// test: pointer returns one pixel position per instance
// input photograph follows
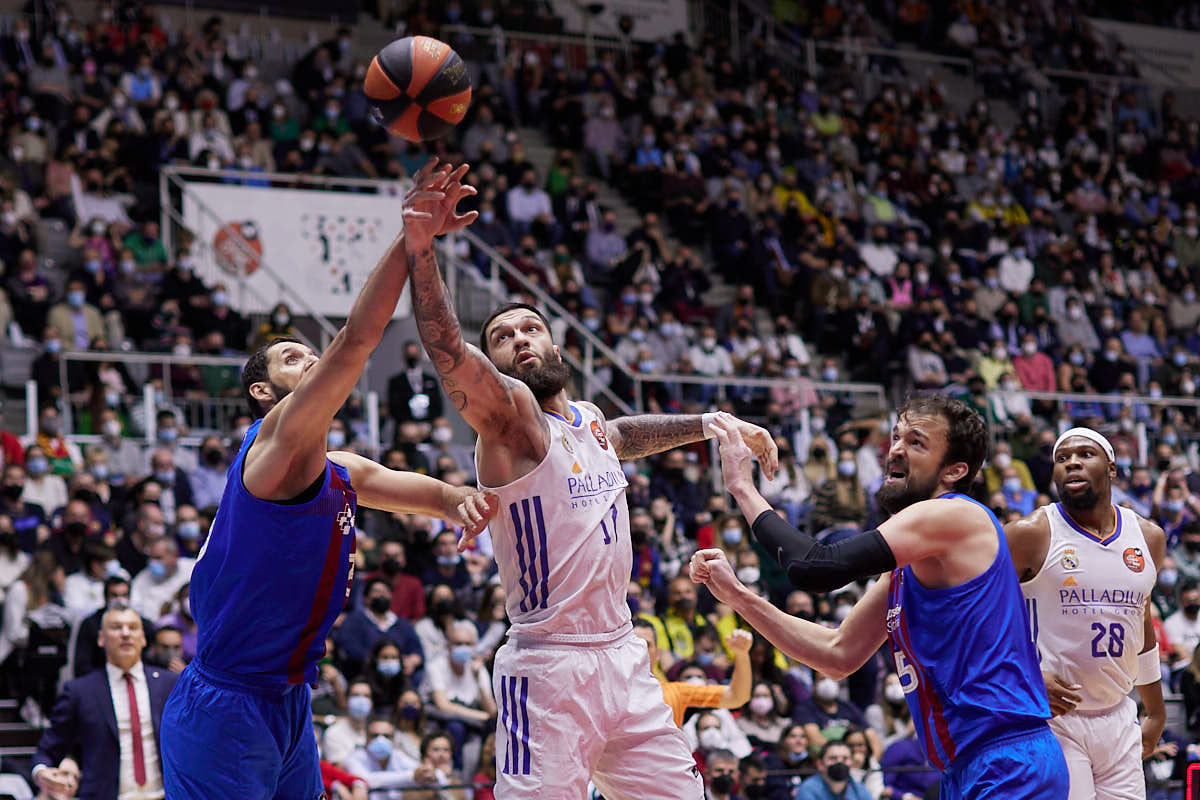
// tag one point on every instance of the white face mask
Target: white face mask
(748, 575)
(826, 690)
(710, 738)
(893, 693)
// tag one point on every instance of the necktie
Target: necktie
(135, 729)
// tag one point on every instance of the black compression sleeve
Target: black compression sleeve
(820, 567)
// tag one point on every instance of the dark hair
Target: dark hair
(751, 762)
(162, 628)
(832, 743)
(113, 581)
(430, 737)
(255, 371)
(504, 309)
(97, 552)
(642, 622)
(373, 582)
(966, 433)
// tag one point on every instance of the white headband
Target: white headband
(1086, 433)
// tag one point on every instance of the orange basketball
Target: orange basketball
(419, 88)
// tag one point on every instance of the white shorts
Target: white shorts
(1103, 752)
(568, 713)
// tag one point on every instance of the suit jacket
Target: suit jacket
(400, 392)
(84, 725)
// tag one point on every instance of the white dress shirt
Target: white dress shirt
(147, 596)
(127, 788)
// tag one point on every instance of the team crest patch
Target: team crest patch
(1134, 559)
(566, 443)
(1069, 560)
(598, 432)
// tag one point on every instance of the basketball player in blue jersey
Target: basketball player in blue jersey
(275, 570)
(573, 683)
(1087, 569)
(948, 601)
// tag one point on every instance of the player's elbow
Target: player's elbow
(735, 697)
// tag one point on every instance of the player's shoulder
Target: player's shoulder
(591, 408)
(1036, 523)
(1152, 532)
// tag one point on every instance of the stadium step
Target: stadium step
(18, 734)
(9, 711)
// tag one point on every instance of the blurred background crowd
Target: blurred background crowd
(700, 214)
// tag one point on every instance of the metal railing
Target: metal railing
(204, 416)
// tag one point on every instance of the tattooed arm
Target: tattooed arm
(646, 434)
(497, 407)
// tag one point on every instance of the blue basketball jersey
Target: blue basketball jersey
(272, 577)
(965, 660)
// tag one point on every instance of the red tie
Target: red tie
(135, 728)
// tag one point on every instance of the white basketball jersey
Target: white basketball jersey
(1087, 605)
(561, 536)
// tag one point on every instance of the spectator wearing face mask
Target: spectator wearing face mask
(208, 479)
(28, 519)
(716, 730)
(42, 487)
(382, 767)
(349, 733)
(83, 592)
(784, 763)
(826, 716)
(155, 588)
(448, 567)
(761, 721)
(180, 618)
(373, 622)
(461, 690)
(84, 652)
(721, 772)
(167, 435)
(833, 781)
(841, 502)
(693, 688)
(1183, 627)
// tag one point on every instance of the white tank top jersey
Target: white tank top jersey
(1087, 605)
(561, 537)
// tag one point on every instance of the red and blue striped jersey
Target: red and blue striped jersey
(272, 577)
(965, 660)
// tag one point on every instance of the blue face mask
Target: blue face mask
(449, 561)
(380, 748)
(1174, 506)
(731, 535)
(168, 435)
(1123, 462)
(389, 668)
(336, 439)
(1012, 485)
(37, 466)
(164, 476)
(462, 654)
(75, 299)
(704, 659)
(189, 530)
(158, 570)
(359, 706)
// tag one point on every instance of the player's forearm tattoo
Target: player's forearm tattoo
(646, 434)
(436, 322)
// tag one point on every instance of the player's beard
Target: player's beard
(545, 377)
(897, 497)
(279, 392)
(1078, 502)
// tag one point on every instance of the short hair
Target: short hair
(431, 737)
(832, 743)
(373, 582)
(465, 625)
(751, 762)
(97, 552)
(168, 629)
(504, 309)
(642, 622)
(966, 432)
(721, 754)
(255, 371)
(113, 581)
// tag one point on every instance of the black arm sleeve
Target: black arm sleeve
(818, 567)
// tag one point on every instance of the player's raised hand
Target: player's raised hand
(455, 191)
(739, 641)
(711, 568)
(473, 512)
(735, 454)
(1063, 696)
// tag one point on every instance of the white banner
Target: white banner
(322, 245)
(652, 19)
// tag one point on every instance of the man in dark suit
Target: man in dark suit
(108, 721)
(413, 393)
(86, 651)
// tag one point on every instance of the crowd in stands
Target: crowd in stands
(895, 238)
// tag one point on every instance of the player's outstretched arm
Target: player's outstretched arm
(741, 680)
(642, 435)
(495, 406)
(1149, 680)
(289, 452)
(414, 493)
(836, 653)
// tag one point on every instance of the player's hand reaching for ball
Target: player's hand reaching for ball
(739, 442)
(1063, 696)
(430, 205)
(472, 510)
(711, 568)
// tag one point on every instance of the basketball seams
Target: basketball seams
(418, 81)
(436, 89)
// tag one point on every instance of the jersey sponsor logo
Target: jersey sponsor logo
(1082, 600)
(1069, 560)
(1134, 559)
(598, 432)
(893, 619)
(345, 519)
(595, 488)
(1070, 581)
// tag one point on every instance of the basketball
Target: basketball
(418, 87)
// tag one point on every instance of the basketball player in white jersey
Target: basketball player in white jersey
(573, 684)
(1087, 568)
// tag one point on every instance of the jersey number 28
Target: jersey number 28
(1116, 640)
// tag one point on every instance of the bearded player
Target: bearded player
(948, 602)
(1087, 569)
(573, 683)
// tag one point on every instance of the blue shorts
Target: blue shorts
(1024, 766)
(221, 739)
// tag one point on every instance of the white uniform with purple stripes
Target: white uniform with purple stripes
(573, 684)
(1086, 607)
